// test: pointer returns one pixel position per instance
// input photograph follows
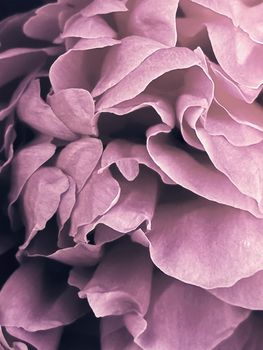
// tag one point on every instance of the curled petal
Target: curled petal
(87, 57)
(39, 115)
(78, 159)
(41, 198)
(112, 291)
(24, 164)
(104, 191)
(190, 169)
(75, 108)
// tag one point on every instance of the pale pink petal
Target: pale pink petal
(218, 122)
(87, 27)
(84, 73)
(41, 198)
(155, 20)
(75, 108)
(213, 245)
(35, 112)
(36, 298)
(78, 159)
(112, 291)
(242, 15)
(186, 317)
(98, 195)
(24, 164)
(82, 254)
(67, 202)
(248, 335)
(194, 171)
(116, 66)
(244, 66)
(161, 62)
(44, 25)
(235, 161)
(246, 293)
(135, 206)
(100, 7)
(128, 156)
(161, 105)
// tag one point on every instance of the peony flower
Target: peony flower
(131, 176)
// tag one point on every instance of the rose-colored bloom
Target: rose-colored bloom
(131, 176)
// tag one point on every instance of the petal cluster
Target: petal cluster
(131, 176)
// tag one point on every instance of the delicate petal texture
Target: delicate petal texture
(244, 53)
(194, 171)
(136, 48)
(79, 159)
(111, 291)
(131, 177)
(135, 206)
(161, 62)
(41, 198)
(103, 198)
(84, 73)
(35, 299)
(233, 237)
(173, 319)
(75, 108)
(153, 20)
(25, 163)
(246, 293)
(35, 112)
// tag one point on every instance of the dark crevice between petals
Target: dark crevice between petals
(131, 127)
(84, 334)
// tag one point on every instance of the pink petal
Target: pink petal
(100, 7)
(78, 159)
(155, 20)
(161, 62)
(88, 28)
(75, 108)
(35, 298)
(136, 48)
(235, 161)
(194, 171)
(207, 253)
(180, 316)
(104, 191)
(87, 57)
(35, 112)
(67, 203)
(15, 63)
(246, 293)
(114, 335)
(112, 291)
(136, 204)
(24, 164)
(41, 198)
(44, 24)
(128, 156)
(244, 66)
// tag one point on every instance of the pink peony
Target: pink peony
(131, 176)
